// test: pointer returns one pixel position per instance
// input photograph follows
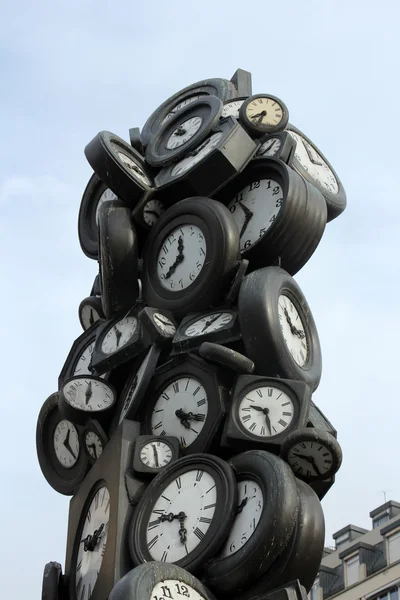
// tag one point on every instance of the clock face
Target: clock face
(314, 164)
(197, 155)
(293, 330)
(119, 335)
(92, 546)
(106, 196)
(231, 108)
(174, 590)
(83, 362)
(181, 257)
(134, 387)
(182, 134)
(181, 105)
(89, 316)
(93, 444)
(266, 411)
(255, 209)
(181, 410)
(152, 211)
(181, 516)
(66, 443)
(88, 394)
(264, 111)
(310, 459)
(133, 166)
(208, 324)
(250, 506)
(156, 454)
(270, 147)
(164, 324)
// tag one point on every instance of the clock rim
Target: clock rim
(249, 126)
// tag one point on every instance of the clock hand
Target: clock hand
(247, 219)
(315, 467)
(91, 317)
(314, 160)
(183, 417)
(259, 408)
(241, 506)
(178, 259)
(266, 413)
(94, 449)
(88, 393)
(152, 212)
(179, 131)
(118, 335)
(67, 445)
(155, 455)
(162, 321)
(210, 322)
(182, 530)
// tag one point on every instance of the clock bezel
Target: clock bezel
(143, 440)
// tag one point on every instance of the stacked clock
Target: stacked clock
(183, 424)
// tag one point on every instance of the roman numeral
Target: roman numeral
(165, 396)
(199, 475)
(270, 390)
(157, 426)
(201, 402)
(252, 426)
(259, 393)
(199, 533)
(209, 506)
(246, 418)
(196, 390)
(152, 542)
(164, 556)
(205, 520)
(153, 524)
(282, 422)
(178, 483)
(175, 385)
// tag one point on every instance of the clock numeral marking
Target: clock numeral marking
(211, 488)
(165, 396)
(285, 404)
(165, 249)
(182, 590)
(96, 501)
(199, 475)
(199, 533)
(246, 418)
(157, 426)
(89, 516)
(198, 265)
(152, 542)
(303, 445)
(178, 483)
(252, 426)
(163, 433)
(175, 386)
(287, 414)
(82, 596)
(262, 432)
(282, 422)
(181, 283)
(205, 520)
(89, 590)
(209, 506)
(153, 524)
(182, 442)
(250, 399)
(103, 550)
(79, 583)
(327, 462)
(254, 185)
(202, 251)
(201, 402)
(187, 384)
(201, 417)
(162, 262)
(324, 453)
(78, 566)
(196, 391)
(270, 392)
(246, 409)
(164, 559)
(157, 511)
(259, 393)
(165, 498)
(253, 524)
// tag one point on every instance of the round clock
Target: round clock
(186, 130)
(222, 88)
(90, 311)
(220, 326)
(262, 114)
(159, 580)
(231, 107)
(90, 544)
(147, 213)
(264, 521)
(60, 454)
(81, 397)
(94, 439)
(313, 454)
(311, 164)
(52, 574)
(185, 513)
(119, 166)
(160, 326)
(277, 145)
(190, 256)
(278, 329)
(152, 454)
(278, 216)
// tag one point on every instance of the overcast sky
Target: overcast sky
(69, 70)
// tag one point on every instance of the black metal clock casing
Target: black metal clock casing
(78, 361)
(219, 326)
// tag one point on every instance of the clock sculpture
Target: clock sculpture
(183, 425)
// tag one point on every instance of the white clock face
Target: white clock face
(119, 335)
(89, 316)
(93, 444)
(136, 169)
(250, 506)
(270, 147)
(310, 458)
(255, 209)
(197, 155)
(66, 443)
(134, 386)
(174, 590)
(208, 324)
(181, 257)
(313, 163)
(93, 543)
(182, 134)
(153, 209)
(156, 454)
(194, 494)
(266, 411)
(293, 330)
(88, 394)
(181, 105)
(181, 410)
(164, 324)
(106, 196)
(231, 108)
(82, 364)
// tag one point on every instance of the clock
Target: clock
(82, 396)
(221, 88)
(226, 357)
(159, 580)
(120, 167)
(209, 166)
(185, 513)
(118, 259)
(153, 453)
(136, 386)
(90, 311)
(278, 329)
(159, 326)
(317, 419)
(52, 575)
(262, 114)
(231, 107)
(265, 518)
(186, 399)
(95, 194)
(264, 411)
(78, 361)
(277, 145)
(93, 439)
(312, 454)
(184, 131)
(147, 213)
(190, 256)
(117, 341)
(301, 558)
(311, 164)
(220, 326)
(59, 451)
(280, 217)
